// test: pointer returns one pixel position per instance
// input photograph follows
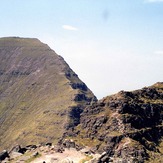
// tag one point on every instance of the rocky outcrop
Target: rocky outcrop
(40, 95)
(3, 155)
(127, 126)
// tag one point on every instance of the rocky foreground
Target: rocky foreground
(49, 154)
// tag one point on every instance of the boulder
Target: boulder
(68, 143)
(18, 149)
(4, 155)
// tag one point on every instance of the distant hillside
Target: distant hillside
(40, 96)
(127, 126)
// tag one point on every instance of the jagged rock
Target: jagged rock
(86, 150)
(68, 143)
(58, 149)
(35, 154)
(128, 126)
(48, 144)
(103, 158)
(80, 86)
(31, 147)
(18, 149)
(4, 155)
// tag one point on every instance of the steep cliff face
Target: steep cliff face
(127, 126)
(40, 96)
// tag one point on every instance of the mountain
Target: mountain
(125, 127)
(40, 96)
(44, 103)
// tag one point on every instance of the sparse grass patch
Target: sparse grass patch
(32, 158)
(86, 141)
(114, 133)
(87, 158)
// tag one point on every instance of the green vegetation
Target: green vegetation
(87, 158)
(32, 158)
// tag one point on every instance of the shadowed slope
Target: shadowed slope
(128, 126)
(39, 93)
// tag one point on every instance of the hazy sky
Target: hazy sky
(112, 45)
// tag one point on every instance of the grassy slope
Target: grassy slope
(35, 95)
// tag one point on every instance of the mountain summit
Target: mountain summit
(40, 95)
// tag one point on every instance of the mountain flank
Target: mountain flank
(125, 127)
(40, 95)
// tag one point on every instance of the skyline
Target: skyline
(112, 45)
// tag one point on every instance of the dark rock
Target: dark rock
(127, 126)
(35, 154)
(80, 86)
(104, 158)
(74, 114)
(4, 155)
(30, 147)
(80, 97)
(48, 144)
(68, 143)
(18, 149)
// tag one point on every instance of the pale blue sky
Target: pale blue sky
(112, 45)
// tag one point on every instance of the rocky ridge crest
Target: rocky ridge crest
(127, 126)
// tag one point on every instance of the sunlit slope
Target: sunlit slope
(37, 92)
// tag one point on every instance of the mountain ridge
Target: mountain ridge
(127, 126)
(43, 102)
(39, 92)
